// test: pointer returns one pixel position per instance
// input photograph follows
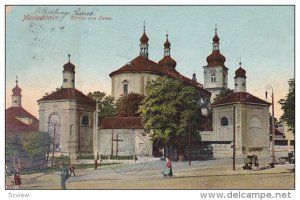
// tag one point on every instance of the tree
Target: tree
(37, 144)
(288, 106)
(170, 112)
(223, 93)
(128, 106)
(107, 107)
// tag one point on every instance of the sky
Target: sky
(262, 37)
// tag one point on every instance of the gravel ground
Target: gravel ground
(211, 174)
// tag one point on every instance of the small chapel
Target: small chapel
(68, 115)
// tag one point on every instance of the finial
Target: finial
(216, 28)
(167, 35)
(17, 80)
(144, 26)
(69, 57)
(240, 63)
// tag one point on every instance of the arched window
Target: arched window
(125, 87)
(213, 78)
(224, 121)
(85, 120)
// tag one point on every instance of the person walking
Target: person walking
(64, 175)
(72, 169)
(168, 170)
(17, 180)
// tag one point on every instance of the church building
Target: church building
(68, 115)
(241, 118)
(133, 78)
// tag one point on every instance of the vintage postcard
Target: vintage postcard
(105, 97)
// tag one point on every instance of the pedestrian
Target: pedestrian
(72, 169)
(17, 180)
(64, 175)
(168, 170)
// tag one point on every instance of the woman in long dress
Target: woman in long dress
(168, 170)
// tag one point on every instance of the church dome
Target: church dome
(240, 72)
(167, 61)
(16, 91)
(167, 44)
(215, 59)
(144, 38)
(69, 67)
(216, 38)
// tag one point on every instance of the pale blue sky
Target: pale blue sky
(263, 36)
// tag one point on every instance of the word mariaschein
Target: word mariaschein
(46, 13)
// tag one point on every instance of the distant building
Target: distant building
(68, 115)
(19, 123)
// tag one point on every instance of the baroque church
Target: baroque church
(239, 119)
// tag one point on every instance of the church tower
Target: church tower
(167, 61)
(215, 73)
(240, 80)
(16, 96)
(69, 75)
(144, 44)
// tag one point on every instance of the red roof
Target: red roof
(68, 94)
(142, 64)
(12, 123)
(121, 123)
(241, 97)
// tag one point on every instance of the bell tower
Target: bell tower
(215, 72)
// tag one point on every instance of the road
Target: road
(212, 174)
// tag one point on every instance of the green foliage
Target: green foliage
(107, 107)
(170, 111)
(10, 150)
(223, 93)
(128, 106)
(288, 106)
(37, 144)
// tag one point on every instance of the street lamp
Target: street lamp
(95, 133)
(273, 124)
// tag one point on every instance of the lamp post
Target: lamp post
(233, 145)
(95, 134)
(273, 124)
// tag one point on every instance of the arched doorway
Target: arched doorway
(54, 129)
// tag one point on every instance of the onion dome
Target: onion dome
(216, 38)
(240, 72)
(16, 90)
(215, 59)
(144, 38)
(167, 61)
(69, 66)
(167, 44)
